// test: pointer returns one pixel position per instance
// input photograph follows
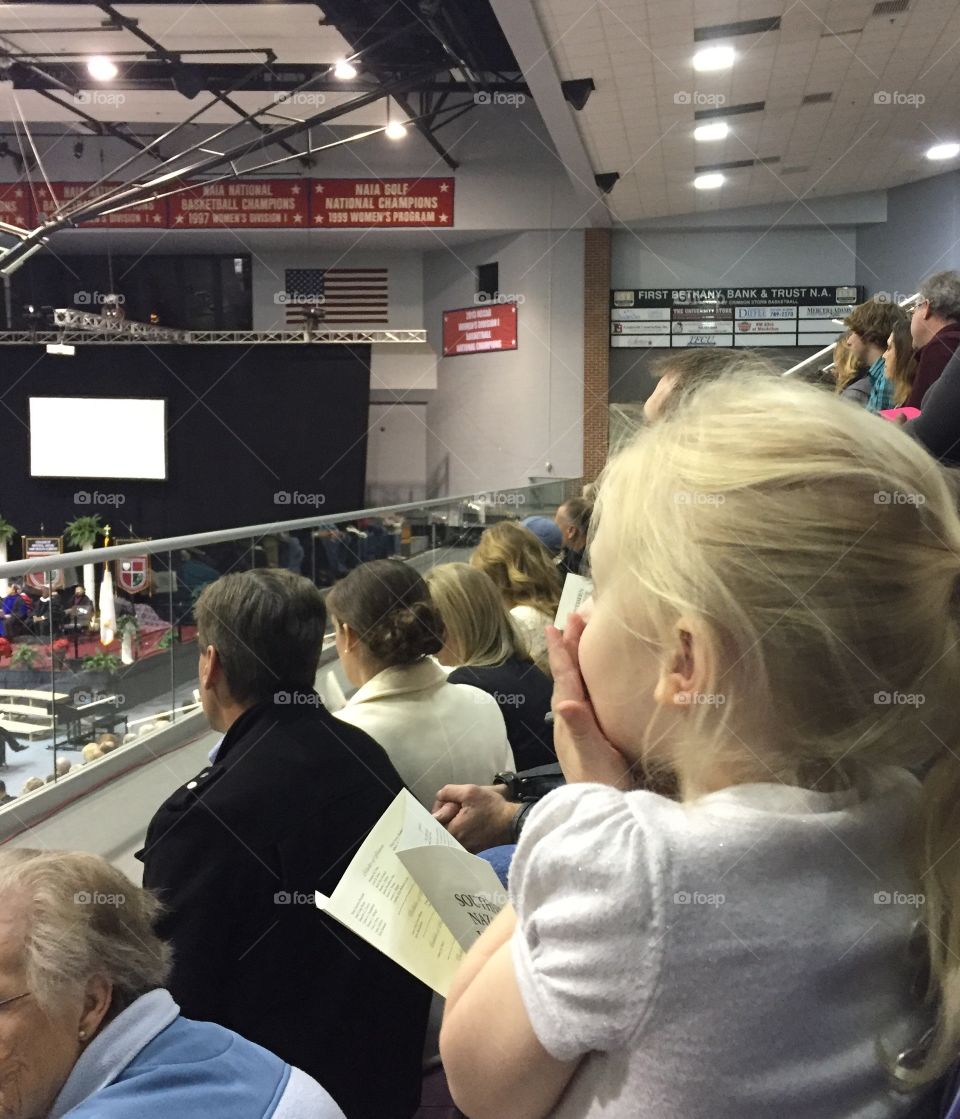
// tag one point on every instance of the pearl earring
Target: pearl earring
(83, 1035)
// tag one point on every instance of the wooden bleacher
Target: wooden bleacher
(28, 713)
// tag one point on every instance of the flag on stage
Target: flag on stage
(336, 296)
(108, 609)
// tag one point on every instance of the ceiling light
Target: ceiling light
(101, 68)
(395, 130)
(717, 130)
(709, 182)
(714, 58)
(344, 70)
(943, 151)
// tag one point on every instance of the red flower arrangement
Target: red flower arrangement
(61, 645)
(5, 648)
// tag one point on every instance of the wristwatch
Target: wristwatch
(516, 824)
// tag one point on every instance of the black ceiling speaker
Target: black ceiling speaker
(607, 180)
(576, 91)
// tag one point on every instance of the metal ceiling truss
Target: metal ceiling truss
(450, 51)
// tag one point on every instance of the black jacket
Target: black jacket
(236, 856)
(524, 695)
(938, 426)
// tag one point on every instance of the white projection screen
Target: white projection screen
(97, 437)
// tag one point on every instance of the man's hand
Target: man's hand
(583, 751)
(478, 816)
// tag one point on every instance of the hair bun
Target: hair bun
(408, 633)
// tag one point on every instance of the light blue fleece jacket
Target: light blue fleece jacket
(152, 1063)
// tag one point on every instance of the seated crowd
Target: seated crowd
(740, 898)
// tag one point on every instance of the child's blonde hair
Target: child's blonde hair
(817, 549)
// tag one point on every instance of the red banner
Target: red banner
(382, 203)
(248, 204)
(15, 205)
(145, 215)
(482, 329)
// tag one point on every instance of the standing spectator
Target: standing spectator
(935, 327)
(607, 988)
(485, 649)
(524, 573)
(870, 325)
(237, 854)
(899, 363)
(434, 732)
(573, 520)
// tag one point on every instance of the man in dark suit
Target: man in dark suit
(237, 854)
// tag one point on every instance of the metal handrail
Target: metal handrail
(908, 302)
(15, 568)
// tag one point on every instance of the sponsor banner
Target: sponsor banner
(703, 326)
(639, 314)
(703, 312)
(758, 316)
(247, 204)
(40, 547)
(767, 326)
(766, 312)
(476, 330)
(381, 203)
(757, 341)
(145, 215)
(639, 342)
(640, 328)
(713, 339)
(834, 311)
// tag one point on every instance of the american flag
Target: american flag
(336, 295)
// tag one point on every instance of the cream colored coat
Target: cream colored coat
(434, 732)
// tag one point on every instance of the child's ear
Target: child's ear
(682, 677)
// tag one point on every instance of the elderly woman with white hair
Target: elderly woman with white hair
(86, 1027)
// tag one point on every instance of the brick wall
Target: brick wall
(596, 351)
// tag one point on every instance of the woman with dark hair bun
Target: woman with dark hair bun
(436, 733)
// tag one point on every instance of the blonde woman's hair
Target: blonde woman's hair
(818, 556)
(84, 918)
(847, 367)
(478, 627)
(521, 568)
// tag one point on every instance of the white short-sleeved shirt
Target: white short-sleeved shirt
(739, 957)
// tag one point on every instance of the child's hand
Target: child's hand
(585, 754)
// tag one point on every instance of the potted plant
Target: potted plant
(82, 533)
(24, 657)
(7, 533)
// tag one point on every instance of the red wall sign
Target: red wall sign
(248, 204)
(252, 204)
(477, 330)
(382, 203)
(145, 215)
(15, 205)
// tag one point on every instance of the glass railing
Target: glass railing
(77, 685)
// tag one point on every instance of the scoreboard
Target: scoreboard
(660, 318)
